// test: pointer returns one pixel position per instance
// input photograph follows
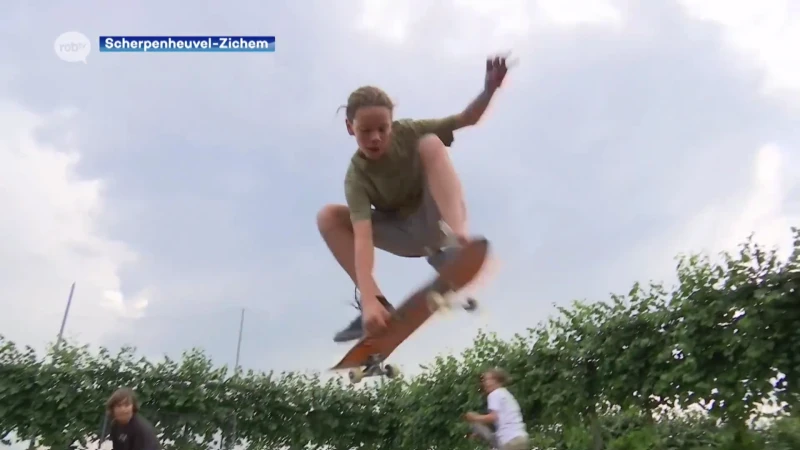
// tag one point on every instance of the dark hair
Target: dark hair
(120, 396)
(363, 97)
(499, 375)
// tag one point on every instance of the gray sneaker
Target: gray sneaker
(355, 330)
(352, 332)
(442, 256)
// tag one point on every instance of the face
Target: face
(488, 383)
(372, 128)
(123, 411)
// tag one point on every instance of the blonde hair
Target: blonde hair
(364, 97)
(499, 375)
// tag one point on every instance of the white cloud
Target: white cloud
(500, 24)
(767, 33)
(761, 209)
(50, 223)
(581, 12)
(386, 19)
(764, 211)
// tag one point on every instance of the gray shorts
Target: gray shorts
(413, 236)
(518, 443)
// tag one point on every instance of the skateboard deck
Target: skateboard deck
(367, 355)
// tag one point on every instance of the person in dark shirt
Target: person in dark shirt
(129, 430)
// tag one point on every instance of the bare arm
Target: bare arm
(365, 259)
(364, 248)
(445, 127)
(474, 111)
(496, 69)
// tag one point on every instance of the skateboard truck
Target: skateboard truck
(440, 298)
(374, 367)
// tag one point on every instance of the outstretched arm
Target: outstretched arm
(496, 69)
(474, 111)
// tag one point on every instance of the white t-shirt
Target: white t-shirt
(509, 424)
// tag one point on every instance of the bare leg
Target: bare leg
(334, 225)
(444, 184)
(337, 231)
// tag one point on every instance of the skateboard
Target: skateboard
(366, 358)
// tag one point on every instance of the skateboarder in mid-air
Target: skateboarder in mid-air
(399, 186)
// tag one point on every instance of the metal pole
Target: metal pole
(58, 340)
(239, 344)
(229, 442)
(103, 430)
(66, 313)
(236, 373)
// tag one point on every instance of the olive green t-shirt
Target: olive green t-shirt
(395, 182)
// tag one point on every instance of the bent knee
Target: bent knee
(431, 147)
(333, 216)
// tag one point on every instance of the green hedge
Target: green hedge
(596, 376)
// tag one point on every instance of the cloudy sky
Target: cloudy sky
(176, 189)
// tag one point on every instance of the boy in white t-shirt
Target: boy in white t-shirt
(504, 414)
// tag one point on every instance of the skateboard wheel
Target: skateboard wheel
(356, 375)
(471, 305)
(392, 371)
